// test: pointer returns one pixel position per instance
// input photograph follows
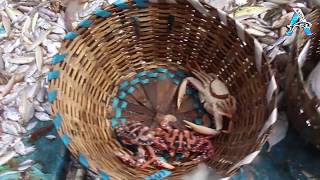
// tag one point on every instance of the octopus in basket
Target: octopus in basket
(215, 97)
(134, 133)
(152, 142)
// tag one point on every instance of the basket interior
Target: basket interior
(162, 35)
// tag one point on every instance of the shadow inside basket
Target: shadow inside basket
(139, 116)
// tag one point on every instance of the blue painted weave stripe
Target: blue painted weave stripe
(141, 74)
(85, 23)
(57, 121)
(124, 105)
(104, 176)
(53, 75)
(145, 81)
(52, 96)
(118, 113)
(115, 102)
(141, 3)
(135, 81)
(123, 120)
(124, 85)
(170, 74)
(71, 35)
(159, 175)
(131, 90)
(103, 13)
(65, 139)
(122, 95)
(152, 75)
(114, 122)
(83, 160)
(121, 4)
(58, 58)
(162, 70)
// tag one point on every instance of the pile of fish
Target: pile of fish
(266, 20)
(31, 32)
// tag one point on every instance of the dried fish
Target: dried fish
(4, 159)
(24, 8)
(39, 40)
(41, 95)
(58, 30)
(250, 10)
(279, 131)
(9, 98)
(267, 40)
(257, 27)
(26, 39)
(25, 165)
(44, 24)
(39, 58)
(269, 4)
(31, 125)
(217, 4)
(281, 1)
(11, 45)
(47, 12)
(283, 21)
(241, 2)
(42, 116)
(313, 82)
(12, 114)
(34, 21)
(26, 26)
(55, 37)
(1, 63)
(255, 32)
(12, 128)
(31, 71)
(7, 88)
(51, 137)
(21, 149)
(60, 22)
(13, 15)
(303, 54)
(21, 60)
(26, 107)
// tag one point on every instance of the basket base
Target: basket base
(145, 100)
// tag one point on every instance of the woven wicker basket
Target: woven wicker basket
(125, 38)
(303, 108)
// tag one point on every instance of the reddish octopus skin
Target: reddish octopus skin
(164, 138)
